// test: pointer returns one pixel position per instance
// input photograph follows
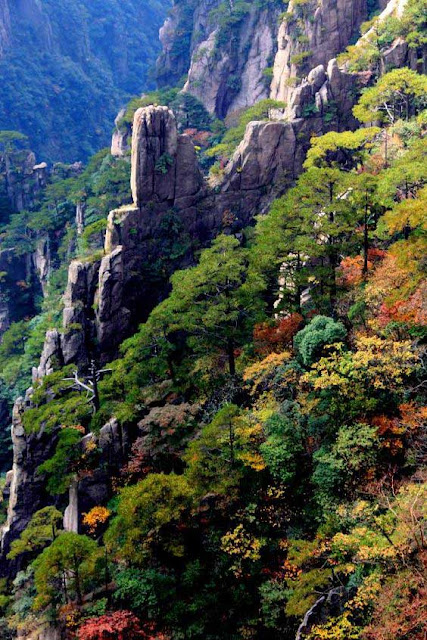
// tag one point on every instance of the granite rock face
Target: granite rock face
(327, 92)
(120, 141)
(90, 491)
(78, 311)
(23, 179)
(328, 27)
(227, 70)
(176, 212)
(174, 206)
(164, 164)
(51, 357)
(175, 37)
(26, 489)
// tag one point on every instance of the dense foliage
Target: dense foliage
(302, 476)
(274, 404)
(70, 67)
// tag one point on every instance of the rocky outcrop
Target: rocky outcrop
(175, 37)
(311, 35)
(51, 357)
(94, 488)
(78, 311)
(26, 489)
(120, 141)
(327, 92)
(228, 64)
(80, 217)
(266, 156)
(42, 259)
(23, 179)
(164, 164)
(223, 52)
(174, 208)
(174, 211)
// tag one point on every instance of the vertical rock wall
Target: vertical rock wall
(227, 69)
(312, 34)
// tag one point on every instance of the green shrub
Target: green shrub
(321, 331)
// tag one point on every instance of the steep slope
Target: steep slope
(67, 66)
(222, 49)
(261, 432)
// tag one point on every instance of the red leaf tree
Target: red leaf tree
(120, 625)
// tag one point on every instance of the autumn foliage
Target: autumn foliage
(95, 517)
(269, 338)
(120, 625)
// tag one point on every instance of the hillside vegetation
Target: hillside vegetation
(70, 66)
(283, 456)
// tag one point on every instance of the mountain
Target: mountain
(213, 341)
(68, 66)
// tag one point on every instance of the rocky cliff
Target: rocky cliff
(310, 35)
(175, 211)
(229, 55)
(227, 51)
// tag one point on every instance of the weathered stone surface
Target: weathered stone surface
(24, 179)
(27, 490)
(328, 27)
(229, 75)
(80, 217)
(42, 259)
(154, 139)
(265, 156)
(95, 489)
(78, 311)
(109, 300)
(51, 357)
(164, 164)
(113, 316)
(71, 513)
(121, 138)
(174, 60)
(332, 92)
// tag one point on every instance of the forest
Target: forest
(271, 408)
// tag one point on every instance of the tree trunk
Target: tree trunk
(231, 359)
(77, 582)
(365, 240)
(231, 434)
(95, 401)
